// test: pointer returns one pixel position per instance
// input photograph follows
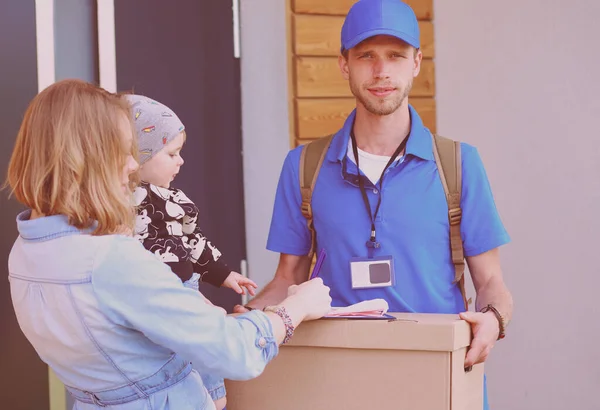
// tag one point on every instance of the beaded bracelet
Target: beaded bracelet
(287, 321)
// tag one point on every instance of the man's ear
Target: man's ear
(343, 63)
(418, 60)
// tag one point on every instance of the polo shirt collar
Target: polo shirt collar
(419, 139)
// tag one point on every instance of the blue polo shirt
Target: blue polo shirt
(412, 223)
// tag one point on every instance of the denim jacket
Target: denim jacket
(118, 327)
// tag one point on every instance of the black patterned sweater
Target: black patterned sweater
(166, 224)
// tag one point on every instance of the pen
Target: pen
(318, 264)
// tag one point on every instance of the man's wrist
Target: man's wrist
(491, 309)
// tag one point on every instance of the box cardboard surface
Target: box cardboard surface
(413, 363)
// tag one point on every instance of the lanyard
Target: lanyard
(372, 242)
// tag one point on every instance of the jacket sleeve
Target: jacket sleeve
(136, 290)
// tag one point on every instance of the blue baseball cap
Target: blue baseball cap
(368, 18)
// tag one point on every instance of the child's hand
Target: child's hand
(239, 284)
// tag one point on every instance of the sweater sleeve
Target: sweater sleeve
(210, 266)
(206, 258)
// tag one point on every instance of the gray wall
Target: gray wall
(76, 39)
(265, 126)
(519, 79)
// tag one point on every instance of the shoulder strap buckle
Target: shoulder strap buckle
(306, 209)
(455, 216)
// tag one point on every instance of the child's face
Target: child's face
(162, 168)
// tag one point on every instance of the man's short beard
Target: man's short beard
(381, 109)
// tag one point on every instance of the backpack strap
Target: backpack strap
(311, 159)
(448, 160)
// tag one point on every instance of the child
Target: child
(166, 223)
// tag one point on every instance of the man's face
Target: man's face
(380, 71)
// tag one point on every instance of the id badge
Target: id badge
(375, 272)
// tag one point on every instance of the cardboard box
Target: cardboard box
(413, 363)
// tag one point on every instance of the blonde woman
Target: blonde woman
(113, 322)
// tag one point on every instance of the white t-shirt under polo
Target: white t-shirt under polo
(370, 164)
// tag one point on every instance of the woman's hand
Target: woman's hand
(308, 301)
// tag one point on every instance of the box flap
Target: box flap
(410, 331)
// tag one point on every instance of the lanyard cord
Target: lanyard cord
(373, 238)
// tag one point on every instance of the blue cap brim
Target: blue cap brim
(379, 32)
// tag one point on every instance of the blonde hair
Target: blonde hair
(69, 157)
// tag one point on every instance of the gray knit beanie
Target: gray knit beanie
(155, 124)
